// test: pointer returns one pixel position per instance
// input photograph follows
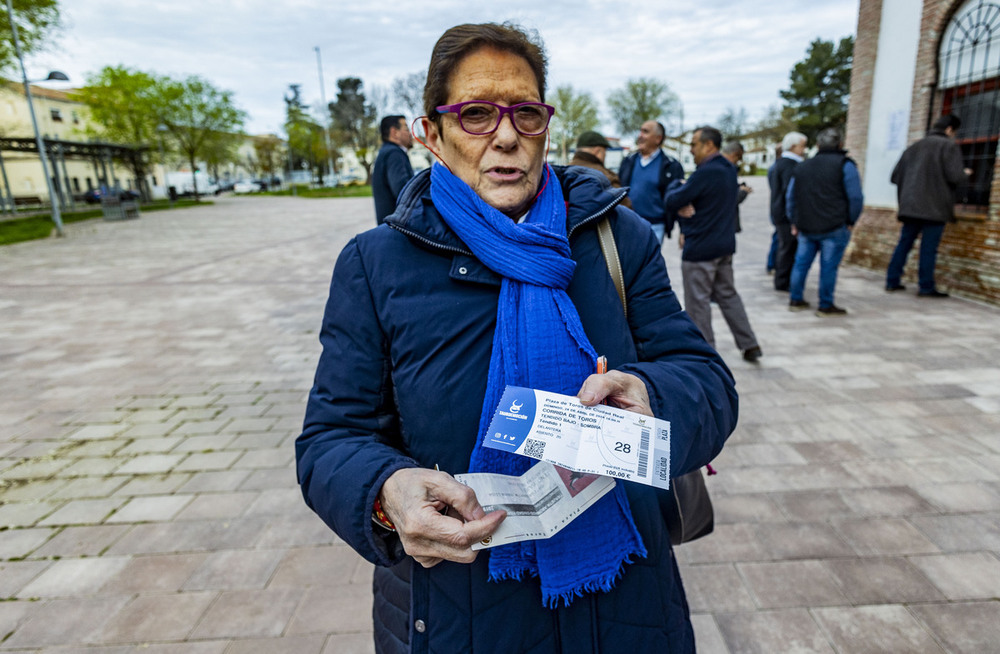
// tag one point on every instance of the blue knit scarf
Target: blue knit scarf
(539, 342)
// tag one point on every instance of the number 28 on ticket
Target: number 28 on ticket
(602, 440)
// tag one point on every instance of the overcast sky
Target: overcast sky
(712, 53)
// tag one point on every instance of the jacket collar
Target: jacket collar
(580, 155)
(415, 214)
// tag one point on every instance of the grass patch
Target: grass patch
(338, 192)
(30, 228)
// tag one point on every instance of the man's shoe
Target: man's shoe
(934, 293)
(797, 305)
(832, 310)
(897, 287)
(752, 354)
(781, 289)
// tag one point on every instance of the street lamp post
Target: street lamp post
(54, 75)
(161, 129)
(326, 110)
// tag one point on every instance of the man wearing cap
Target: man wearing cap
(591, 149)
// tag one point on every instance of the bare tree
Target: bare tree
(733, 122)
(408, 92)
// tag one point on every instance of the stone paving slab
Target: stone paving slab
(155, 373)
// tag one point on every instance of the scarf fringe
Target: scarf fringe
(604, 583)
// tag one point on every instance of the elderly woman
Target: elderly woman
(490, 273)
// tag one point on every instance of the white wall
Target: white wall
(892, 90)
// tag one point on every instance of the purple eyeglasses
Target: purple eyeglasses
(479, 117)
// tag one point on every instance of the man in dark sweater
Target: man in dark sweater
(706, 205)
(926, 178)
(793, 148)
(823, 202)
(648, 173)
(392, 166)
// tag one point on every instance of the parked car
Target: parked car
(246, 186)
(94, 195)
(225, 185)
(347, 179)
(268, 184)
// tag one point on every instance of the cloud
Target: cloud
(713, 53)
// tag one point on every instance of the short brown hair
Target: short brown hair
(462, 40)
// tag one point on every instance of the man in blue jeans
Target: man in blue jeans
(823, 202)
(926, 178)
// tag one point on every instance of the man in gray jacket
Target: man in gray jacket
(926, 178)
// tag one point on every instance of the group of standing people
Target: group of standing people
(816, 202)
(814, 206)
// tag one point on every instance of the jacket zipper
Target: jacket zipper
(427, 241)
(615, 202)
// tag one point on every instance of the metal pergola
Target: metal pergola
(101, 155)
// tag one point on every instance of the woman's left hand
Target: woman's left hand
(621, 389)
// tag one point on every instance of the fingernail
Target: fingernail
(587, 396)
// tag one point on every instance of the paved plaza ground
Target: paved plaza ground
(153, 375)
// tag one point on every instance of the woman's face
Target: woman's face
(504, 168)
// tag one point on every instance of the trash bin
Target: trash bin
(172, 194)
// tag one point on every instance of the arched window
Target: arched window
(969, 63)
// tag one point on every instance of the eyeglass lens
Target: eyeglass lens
(529, 119)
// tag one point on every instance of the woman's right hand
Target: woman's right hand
(437, 518)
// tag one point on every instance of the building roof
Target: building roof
(40, 91)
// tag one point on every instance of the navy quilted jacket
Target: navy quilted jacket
(406, 347)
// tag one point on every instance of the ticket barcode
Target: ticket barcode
(643, 463)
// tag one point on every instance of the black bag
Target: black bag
(689, 515)
(686, 507)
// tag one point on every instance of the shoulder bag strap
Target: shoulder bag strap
(610, 250)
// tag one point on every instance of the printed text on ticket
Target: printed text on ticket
(601, 440)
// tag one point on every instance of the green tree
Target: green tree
(220, 149)
(267, 154)
(195, 113)
(355, 121)
(733, 122)
(820, 86)
(642, 99)
(35, 19)
(306, 146)
(575, 114)
(122, 103)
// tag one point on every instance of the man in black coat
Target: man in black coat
(793, 151)
(926, 178)
(706, 205)
(392, 166)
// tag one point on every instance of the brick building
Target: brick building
(913, 61)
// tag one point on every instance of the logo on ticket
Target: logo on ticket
(512, 420)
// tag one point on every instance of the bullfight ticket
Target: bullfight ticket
(600, 440)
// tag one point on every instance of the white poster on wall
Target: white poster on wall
(899, 122)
